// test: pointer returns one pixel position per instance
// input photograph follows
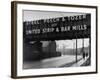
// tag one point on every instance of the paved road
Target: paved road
(81, 62)
(63, 61)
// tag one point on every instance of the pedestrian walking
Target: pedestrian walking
(86, 54)
(83, 55)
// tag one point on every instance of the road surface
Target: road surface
(63, 61)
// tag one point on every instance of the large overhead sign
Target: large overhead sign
(69, 27)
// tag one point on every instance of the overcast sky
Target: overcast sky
(70, 44)
(29, 15)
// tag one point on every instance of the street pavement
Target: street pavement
(81, 62)
(63, 61)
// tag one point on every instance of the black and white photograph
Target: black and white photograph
(56, 39)
(53, 39)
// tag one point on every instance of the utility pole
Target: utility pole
(76, 49)
(73, 47)
(83, 45)
(89, 51)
